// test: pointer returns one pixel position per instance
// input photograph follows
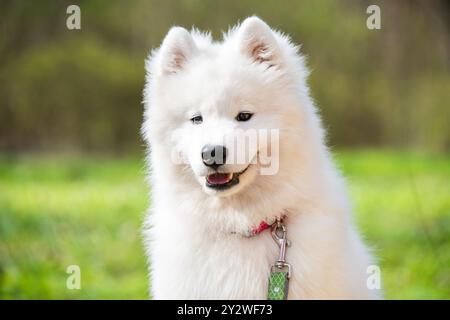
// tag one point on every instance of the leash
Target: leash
(280, 272)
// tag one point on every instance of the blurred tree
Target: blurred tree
(81, 90)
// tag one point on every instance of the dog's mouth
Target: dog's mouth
(223, 180)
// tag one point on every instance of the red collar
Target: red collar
(263, 225)
(257, 230)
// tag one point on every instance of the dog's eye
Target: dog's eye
(244, 116)
(197, 119)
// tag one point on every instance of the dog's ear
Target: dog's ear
(258, 42)
(176, 49)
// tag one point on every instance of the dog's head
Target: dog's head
(226, 115)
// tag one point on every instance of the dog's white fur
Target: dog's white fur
(191, 237)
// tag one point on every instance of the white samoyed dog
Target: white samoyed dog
(206, 231)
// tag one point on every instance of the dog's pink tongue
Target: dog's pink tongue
(218, 178)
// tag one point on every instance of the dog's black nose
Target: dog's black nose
(214, 156)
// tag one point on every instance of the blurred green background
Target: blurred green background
(72, 187)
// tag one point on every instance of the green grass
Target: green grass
(59, 212)
(55, 212)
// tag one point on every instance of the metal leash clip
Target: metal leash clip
(278, 232)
